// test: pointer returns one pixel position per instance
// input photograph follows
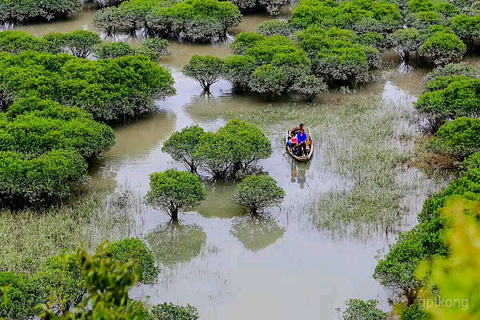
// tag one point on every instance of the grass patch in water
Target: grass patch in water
(28, 237)
(369, 143)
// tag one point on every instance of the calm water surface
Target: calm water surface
(225, 264)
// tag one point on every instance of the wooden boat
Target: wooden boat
(306, 157)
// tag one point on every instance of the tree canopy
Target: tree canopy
(175, 191)
(257, 192)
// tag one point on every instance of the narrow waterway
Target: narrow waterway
(293, 265)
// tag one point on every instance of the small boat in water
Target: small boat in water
(291, 151)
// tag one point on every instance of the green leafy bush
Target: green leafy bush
(442, 48)
(205, 69)
(363, 310)
(450, 98)
(111, 90)
(458, 139)
(23, 10)
(233, 149)
(183, 145)
(135, 249)
(275, 28)
(238, 69)
(257, 192)
(358, 15)
(309, 87)
(193, 20)
(406, 42)
(268, 80)
(175, 191)
(79, 43)
(467, 28)
(170, 311)
(27, 180)
(452, 69)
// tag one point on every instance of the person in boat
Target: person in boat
(302, 140)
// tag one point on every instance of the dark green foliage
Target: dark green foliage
(111, 90)
(406, 42)
(50, 176)
(453, 69)
(169, 311)
(467, 28)
(415, 312)
(35, 135)
(442, 48)
(458, 139)
(238, 69)
(309, 87)
(276, 28)
(23, 10)
(205, 69)
(397, 270)
(335, 55)
(194, 20)
(257, 192)
(233, 149)
(79, 43)
(114, 50)
(135, 249)
(472, 162)
(268, 80)
(67, 281)
(175, 191)
(361, 16)
(158, 45)
(183, 146)
(373, 39)
(450, 98)
(363, 310)
(18, 41)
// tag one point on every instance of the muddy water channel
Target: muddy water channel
(340, 213)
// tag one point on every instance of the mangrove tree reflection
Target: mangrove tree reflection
(173, 244)
(256, 232)
(218, 203)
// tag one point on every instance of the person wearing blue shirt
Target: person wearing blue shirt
(302, 140)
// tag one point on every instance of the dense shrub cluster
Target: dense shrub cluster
(233, 148)
(361, 16)
(193, 20)
(22, 10)
(111, 90)
(426, 241)
(43, 147)
(437, 44)
(85, 286)
(81, 44)
(271, 6)
(449, 98)
(299, 64)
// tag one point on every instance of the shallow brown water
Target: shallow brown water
(225, 264)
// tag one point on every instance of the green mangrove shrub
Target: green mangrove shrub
(233, 149)
(442, 48)
(183, 146)
(268, 80)
(175, 191)
(357, 309)
(37, 180)
(452, 69)
(257, 192)
(192, 20)
(357, 15)
(24, 10)
(308, 87)
(449, 98)
(458, 139)
(205, 69)
(111, 90)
